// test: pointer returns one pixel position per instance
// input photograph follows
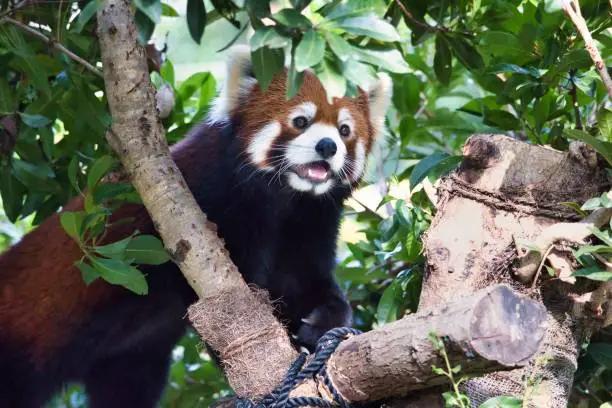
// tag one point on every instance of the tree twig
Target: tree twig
(574, 96)
(572, 9)
(52, 43)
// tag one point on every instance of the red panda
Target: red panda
(271, 173)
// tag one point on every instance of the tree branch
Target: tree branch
(572, 9)
(52, 43)
(138, 137)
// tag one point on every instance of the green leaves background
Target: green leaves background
(458, 68)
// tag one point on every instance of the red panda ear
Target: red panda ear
(379, 97)
(238, 83)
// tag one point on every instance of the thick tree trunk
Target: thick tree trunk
(507, 192)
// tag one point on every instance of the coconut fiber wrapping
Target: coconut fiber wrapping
(253, 364)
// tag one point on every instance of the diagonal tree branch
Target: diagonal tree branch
(572, 9)
(50, 41)
(139, 139)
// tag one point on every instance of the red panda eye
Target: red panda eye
(345, 130)
(300, 122)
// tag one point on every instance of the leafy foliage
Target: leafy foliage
(458, 68)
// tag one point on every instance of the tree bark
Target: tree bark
(504, 193)
(493, 329)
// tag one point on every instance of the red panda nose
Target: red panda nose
(326, 147)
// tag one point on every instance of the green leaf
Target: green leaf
(34, 121)
(73, 173)
(115, 249)
(294, 80)
(309, 51)
(576, 59)
(110, 191)
(589, 249)
(340, 46)
(390, 60)
(196, 19)
(358, 73)
(88, 273)
(167, 72)
(333, 82)
(603, 148)
(258, 9)
(543, 109)
(439, 371)
(192, 84)
(352, 8)
(267, 63)
(147, 249)
(11, 193)
(151, 8)
(512, 68)
(504, 44)
(98, 169)
(501, 119)
(502, 402)
(591, 204)
(85, 15)
(593, 273)
(39, 176)
(169, 11)
(292, 18)
(145, 27)
(270, 37)
(389, 303)
(370, 26)
(407, 93)
(603, 235)
(120, 273)
(604, 121)
(8, 98)
(465, 53)
(601, 353)
(71, 222)
(443, 61)
(425, 166)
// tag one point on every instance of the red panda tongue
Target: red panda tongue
(317, 172)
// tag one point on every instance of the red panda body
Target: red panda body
(271, 174)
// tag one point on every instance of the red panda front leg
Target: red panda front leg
(334, 312)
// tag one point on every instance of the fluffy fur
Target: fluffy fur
(277, 204)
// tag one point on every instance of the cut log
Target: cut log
(493, 329)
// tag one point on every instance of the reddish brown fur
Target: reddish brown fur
(34, 302)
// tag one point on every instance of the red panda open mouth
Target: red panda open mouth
(315, 172)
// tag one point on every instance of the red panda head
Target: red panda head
(311, 144)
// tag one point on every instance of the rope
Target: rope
(279, 398)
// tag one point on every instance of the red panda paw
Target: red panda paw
(322, 319)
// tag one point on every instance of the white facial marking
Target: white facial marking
(323, 187)
(360, 160)
(262, 142)
(301, 150)
(307, 109)
(299, 183)
(345, 118)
